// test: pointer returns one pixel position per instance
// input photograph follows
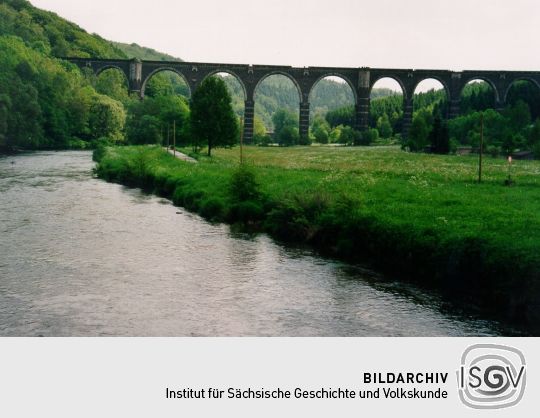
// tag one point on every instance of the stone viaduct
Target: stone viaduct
(361, 80)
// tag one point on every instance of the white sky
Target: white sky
(442, 34)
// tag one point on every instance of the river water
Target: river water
(82, 257)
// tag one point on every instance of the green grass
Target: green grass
(420, 217)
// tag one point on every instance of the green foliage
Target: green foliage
(430, 100)
(417, 216)
(476, 97)
(245, 195)
(274, 93)
(349, 136)
(213, 121)
(166, 83)
(439, 137)
(47, 33)
(321, 130)
(417, 140)
(342, 116)
(46, 103)
(529, 93)
(384, 126)
(152, 120)
(147, 54)
(367, 137)
(329, 95)
(244, 185)
(112, 83)
(107, 118)
(386, 109)
(259, 132)
(518, 115)
(285, 127)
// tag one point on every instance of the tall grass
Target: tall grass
(419, 217)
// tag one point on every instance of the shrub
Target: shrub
(212, 208)
(367, 137)
(288, 223)
(244, 185)
(246, 212)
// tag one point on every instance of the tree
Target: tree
(147, 130)
(384, 126)
(342, 116)
(321, 130)
(367, 137)
(259, 131)
(107, 118)
(114, 84)
(349, 136)
(519, 115)
(439, 137)
(418, 134)
(285, 127)
(212, 117)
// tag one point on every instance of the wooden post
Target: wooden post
(174, 137)
(481, 147)
(168, 137)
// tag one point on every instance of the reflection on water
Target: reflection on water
(81, 257)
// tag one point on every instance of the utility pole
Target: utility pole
(174, 137)
(481, 147)
(168, 137)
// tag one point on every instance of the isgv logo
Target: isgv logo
(491, 376)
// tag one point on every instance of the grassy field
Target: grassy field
(421, 217)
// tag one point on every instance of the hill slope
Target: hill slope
(44, 101)
(50, 34)
(136, 51)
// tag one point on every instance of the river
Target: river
(82, 257)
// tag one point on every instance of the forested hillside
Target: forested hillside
(46, 102)
(51, 35)
(144, 53)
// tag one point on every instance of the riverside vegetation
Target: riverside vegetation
(415, 216)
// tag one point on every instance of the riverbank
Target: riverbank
(417, 217)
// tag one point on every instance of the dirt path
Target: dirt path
(182, 156)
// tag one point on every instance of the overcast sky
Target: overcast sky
(441, 34)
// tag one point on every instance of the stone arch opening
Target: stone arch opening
(277, 99)
(110, 67)
(431, 95)
(332, 91)
(234, 83)
(165, 82)
(526, 90)
(387, 107)
(112, 81)
(330, 96)
(236, 89)
(478, 94)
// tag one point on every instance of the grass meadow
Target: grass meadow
(418, 217)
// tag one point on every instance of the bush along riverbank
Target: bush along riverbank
(416, 217)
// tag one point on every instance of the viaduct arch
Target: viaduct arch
(360, 79)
